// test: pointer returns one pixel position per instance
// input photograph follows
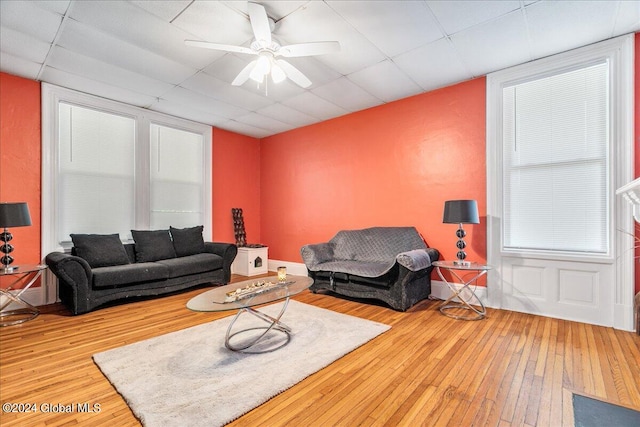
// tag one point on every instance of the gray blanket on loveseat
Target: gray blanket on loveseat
(392, 264)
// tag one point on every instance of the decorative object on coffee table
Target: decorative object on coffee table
(11, 215)
(461, 212)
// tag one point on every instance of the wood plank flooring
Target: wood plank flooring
(510, 369)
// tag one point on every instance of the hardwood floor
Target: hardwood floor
(510, 369)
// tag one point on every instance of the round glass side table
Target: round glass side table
(463, 297)
(27, 274)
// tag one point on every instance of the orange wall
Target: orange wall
(20, 164)
(236, 184)
(392, 165)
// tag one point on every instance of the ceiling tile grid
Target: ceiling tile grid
(134, 51)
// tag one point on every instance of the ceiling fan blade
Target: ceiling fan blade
(309, 49)
(260, 23)
(294, 74)
(243, 76)
(216, 46)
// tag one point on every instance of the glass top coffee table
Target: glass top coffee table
(217, 299)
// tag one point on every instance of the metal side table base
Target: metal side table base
(466, 297)
(26, 311)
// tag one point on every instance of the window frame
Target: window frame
(52, 96)
(512, 249)
(619, 53)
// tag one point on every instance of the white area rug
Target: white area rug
(189, 378)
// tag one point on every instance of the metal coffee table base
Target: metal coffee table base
(274, 324)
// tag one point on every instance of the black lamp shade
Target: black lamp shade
(14, 215)
(460, 212)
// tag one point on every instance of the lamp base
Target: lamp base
(462, 263)
(7, 269)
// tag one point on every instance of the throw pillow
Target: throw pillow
(153, 245)
(187, 241)
(100, 250)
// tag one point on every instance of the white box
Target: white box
(251, 261)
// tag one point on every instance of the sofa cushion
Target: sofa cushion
(192, 264)
(129, 274)
(100, 250)
(187, 241)
(359, 268)
(153, 245)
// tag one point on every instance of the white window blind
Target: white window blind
(556, 145)
(109, 168)
(177, 177)
(96, 172)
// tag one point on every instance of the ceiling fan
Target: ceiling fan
(269, 52)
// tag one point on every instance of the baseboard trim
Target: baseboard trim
(440, 290)
(295, 268)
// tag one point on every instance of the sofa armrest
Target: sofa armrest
(72, 269)
(417, 259)
(74, 278)
(227, 251)
(315, 254)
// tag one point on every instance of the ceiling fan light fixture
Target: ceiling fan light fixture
(263, 66)
(267, 49)
(277, 74)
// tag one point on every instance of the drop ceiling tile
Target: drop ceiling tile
(394, 27)
(184, 112)
(386, 81)
(264, 122)
(287, 115)
(494, 45)
(244, 129)
(315, 106)
(318, 22)
(166, 10)
(23, 45)
(346, 94)
(82, 84)
(215, 22)
(628, 19)
(26, 17)
(19, 66)
(124, 21)
(455, 16)
(316, 71)
(66, 60)
(559, 26)
(433, 66)
(88, 41)
(57, 6)
(210, 86)
(201, 102)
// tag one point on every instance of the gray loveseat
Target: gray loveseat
(100, 268)
(391, 264)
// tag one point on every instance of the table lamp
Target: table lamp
(11, 215)
(461, 212)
